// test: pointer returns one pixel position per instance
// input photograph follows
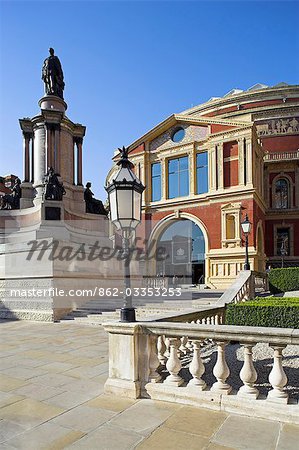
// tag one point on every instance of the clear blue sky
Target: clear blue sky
(129, 65)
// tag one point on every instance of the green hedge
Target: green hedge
(282, 280)
(281, 312)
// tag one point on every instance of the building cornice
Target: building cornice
(247, 96)
(178, 118)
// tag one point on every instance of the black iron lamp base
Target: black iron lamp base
(127, 315)
(246, 266)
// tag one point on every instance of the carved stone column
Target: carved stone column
(26, 143)
(192, 173)
(164, 179)
(79, 142)
(220, 165)
(32, 159)
(241, 161)
(249, 160)
(212, 169)
(57, 148)
(49, 146)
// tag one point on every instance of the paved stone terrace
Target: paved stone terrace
(52, 381)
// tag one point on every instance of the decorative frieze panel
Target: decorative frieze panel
(192, 133)
(278, 126)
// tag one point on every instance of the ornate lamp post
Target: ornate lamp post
(125, 192)
(246, 227)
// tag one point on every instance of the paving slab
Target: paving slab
(202, 422)
(83, 418)
(145, 416)
(9, 429)
(111, 402)
(289, 437)
(29, 412)
(46, 436)
(167, 439)
(108, 437)
(246, 433)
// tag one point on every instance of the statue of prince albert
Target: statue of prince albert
(52, 75)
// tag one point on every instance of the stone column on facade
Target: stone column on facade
(32, 159)
(39, 155)
(296, 203)
(49, 146)
(249, 160)
(57, 148)
(79, 142)
(147, 176)
(164, 180)
(26, 142)
(220, 165)
(241, 161)
(192, 172)
(212, 169)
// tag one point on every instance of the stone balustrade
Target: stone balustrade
(281, 156)
(155, 282)
(244, 288)
(146, 360)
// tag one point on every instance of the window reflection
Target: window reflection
(156, 182)
(202, 172)
(178, 177)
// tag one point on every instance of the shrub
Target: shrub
(282, 280)
(281, 312)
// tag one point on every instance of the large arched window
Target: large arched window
(184, 244)
(281, 194)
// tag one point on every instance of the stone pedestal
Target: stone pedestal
(28, 194)
(52, 103)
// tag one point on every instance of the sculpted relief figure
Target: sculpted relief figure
(280, 126)
(52, 75)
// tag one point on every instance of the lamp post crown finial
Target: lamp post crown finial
(124, 160)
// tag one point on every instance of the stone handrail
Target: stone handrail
(210, 316)
(145, 360)
(244, 287)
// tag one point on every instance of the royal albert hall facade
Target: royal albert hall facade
(206, 168)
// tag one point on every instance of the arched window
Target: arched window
(281, 195)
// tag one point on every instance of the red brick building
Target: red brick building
(207, 167)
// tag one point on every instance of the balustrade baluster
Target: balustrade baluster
(183, 347)
(167, 352)
(161, 350)
(197, 368)
(154, 362)
(173, 364)
(189, 346)
(277, 377)
(248, 374)
(221, 371)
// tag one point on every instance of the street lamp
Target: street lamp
(246, 227)
(125, 192)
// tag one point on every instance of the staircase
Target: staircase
(97, 312)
